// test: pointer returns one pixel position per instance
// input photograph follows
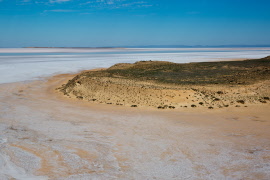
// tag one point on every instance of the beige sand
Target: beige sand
(146, 94)
(47, 136)
(141, 94)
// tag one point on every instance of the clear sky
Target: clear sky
(95, 23)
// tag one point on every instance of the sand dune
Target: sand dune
(166, 85)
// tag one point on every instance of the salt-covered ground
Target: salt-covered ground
(32, 63)
(46, 136)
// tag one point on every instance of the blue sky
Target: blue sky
(95, 23)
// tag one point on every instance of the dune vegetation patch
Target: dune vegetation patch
(167, 85)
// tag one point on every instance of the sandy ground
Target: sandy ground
(132, 93)
(44, 135)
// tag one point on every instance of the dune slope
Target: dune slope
(164, 85)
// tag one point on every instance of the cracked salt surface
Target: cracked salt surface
(2, 140)
(9, 170)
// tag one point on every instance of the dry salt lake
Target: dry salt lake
(44, 136)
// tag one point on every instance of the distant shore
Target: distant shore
(115, 49)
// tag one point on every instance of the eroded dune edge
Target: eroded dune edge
(162, 85)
